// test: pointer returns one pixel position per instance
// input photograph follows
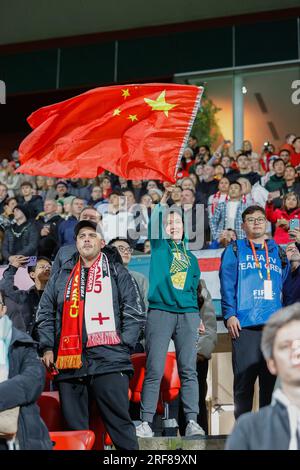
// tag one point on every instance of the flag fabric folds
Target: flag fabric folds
(134, 131)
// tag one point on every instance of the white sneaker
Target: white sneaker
(193, 429)
(144, 430)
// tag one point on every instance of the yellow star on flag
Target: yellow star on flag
(117, 112)
(132, 117)
(125, 93)
(160, 103)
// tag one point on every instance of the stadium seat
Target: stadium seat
(72, 440)
(50, 411)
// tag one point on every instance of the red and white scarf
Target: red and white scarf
(91, 302)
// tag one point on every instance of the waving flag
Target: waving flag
(134, 131)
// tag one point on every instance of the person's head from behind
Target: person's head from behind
(254, 222)
(279, 167)
(89, 241)
(3, 308)
(223, 185)
(124, 248)
(280, 345)
(174, 225)
(235, 191)
(90, 213)
(290, 201)
(40, 273)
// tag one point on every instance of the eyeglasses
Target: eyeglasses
(259, 220)
(122, 249)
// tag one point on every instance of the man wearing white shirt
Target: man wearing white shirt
(117, 221)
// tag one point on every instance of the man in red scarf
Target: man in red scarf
(89, 319)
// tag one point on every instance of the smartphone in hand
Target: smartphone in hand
(294, 224)
(31, 261)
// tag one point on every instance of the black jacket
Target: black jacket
(34, 206)
(268, 429)
(27, 300)
(129, 317)
(26, 244)
(48, 245)
(23, 388)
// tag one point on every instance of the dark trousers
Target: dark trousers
(248, 363)
(110, 391)
(202, 418)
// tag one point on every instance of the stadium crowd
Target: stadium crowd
(251, 206)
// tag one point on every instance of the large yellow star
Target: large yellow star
(125, 93)
(117, 112)
(160, 103)
(132, 117)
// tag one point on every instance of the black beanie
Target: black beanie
(23, 209)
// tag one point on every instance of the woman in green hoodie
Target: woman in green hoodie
(173, 314)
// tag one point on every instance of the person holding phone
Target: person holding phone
(39, 270)
(287, 218)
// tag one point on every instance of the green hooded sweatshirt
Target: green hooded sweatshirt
(174, 270)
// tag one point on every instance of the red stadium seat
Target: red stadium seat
(73, 440)
(50, 411)
(170, 384)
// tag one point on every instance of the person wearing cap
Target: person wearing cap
(62, 189)
(22, 237)
(89, 318)
(34, 204)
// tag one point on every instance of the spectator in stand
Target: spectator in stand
(77, 189)
(125, 249)
(246, 190)
(67, 211)
(285, 155)
(187, 183)
(138, 189)
(121, 184)
(182, 171)
(62, 190)
(29, 299)
(293, 255)
(66, 228)
(193, 144)
(248, 150)
(208, 185)
(277, 182)
(226, 237)
(189, 158)
(50, 191)
(229, 214)
(47, 224)
(276, 427)
(295, 155)
(22, 237)
(117, 222)
(156, 195)
(130, 199)
(289, 139)
(244, 170)
(282, 217)
(33, 203)
(189, 207)
(21, 383)
(220, 196)
(40, 186)
(96, 196)
(291, 183)
(147, 247)
(176, 196)
(106, 187)
(204, 154)
(173, 313)
(7, 215)
(254, 279)
(3, 196)
(256, 166)
(13, 180)
(219, 171)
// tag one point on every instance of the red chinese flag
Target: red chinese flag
(134, 131)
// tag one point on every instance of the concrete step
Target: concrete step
(184, 443)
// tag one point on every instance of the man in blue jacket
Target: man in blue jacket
(253, 276)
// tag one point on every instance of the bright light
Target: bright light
(244, 90)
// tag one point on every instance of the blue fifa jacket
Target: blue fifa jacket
(242, 289)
